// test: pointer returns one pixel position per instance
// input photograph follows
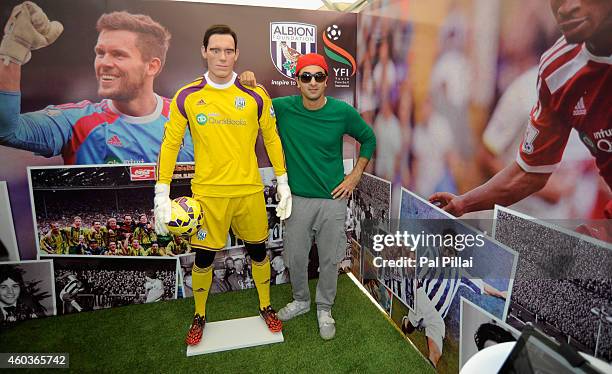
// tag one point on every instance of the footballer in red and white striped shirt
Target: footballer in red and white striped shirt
(574, 91)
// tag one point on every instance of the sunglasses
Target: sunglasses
(307, 77)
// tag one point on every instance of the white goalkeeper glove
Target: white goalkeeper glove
(27, 29)
(283, 192)
(162, 208)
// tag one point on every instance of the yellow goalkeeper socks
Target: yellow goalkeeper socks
(201, 280)
(261, 276)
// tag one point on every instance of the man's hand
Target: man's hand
(27, 29)
(490, 290)
(283, 209)
(448, 202)
(162, 208)
(345, 189)
(247, 78)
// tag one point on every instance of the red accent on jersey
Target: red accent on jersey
(563, 55)
(574, 90)
(115, 141)
(79, 105)
(166, 108)
(552, 52)
(81, 129)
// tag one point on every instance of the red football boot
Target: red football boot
(269, 315)
(194, 336)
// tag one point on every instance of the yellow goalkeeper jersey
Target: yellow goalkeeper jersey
(224, 121)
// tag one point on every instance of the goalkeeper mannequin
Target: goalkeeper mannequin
(224, 118)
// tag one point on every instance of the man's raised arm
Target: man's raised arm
(507, 187)
(27, 29)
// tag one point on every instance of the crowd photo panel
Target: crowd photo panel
(87, 283)
(460, 94)
(562, 282)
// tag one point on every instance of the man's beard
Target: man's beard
(128, 89)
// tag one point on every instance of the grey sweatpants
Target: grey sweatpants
(321, 220)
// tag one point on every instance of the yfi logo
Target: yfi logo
(342, 72)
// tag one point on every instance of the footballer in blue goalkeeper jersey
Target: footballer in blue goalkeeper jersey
(127, 126)
(87, 133)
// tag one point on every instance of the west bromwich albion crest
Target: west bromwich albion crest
(288, 41)
(202, 234)
(239, 102)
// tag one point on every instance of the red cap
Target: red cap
(310, 59)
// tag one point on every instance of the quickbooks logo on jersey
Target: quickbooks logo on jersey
(227, 121)
(215, 119)
(202, 118)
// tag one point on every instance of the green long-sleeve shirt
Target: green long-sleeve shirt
(312, 141)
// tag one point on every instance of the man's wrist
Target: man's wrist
(460, 203)
(358, 170)
(361, 164)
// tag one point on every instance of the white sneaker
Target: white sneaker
(327, 325)
(293, 309)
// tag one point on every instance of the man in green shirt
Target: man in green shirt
(311, 127)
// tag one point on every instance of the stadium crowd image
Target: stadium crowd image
(275, 181)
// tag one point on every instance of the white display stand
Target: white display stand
(234, 334)
(491, 359)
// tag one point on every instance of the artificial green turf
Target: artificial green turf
(149, 338)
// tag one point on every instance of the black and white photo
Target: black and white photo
(480, 329)
(371, 205)
(279, 272)
(270, 185)
(85, 283)
(8, 240)
(26, 291)
(563, 282)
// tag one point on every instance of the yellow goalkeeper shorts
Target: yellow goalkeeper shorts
(246, 215)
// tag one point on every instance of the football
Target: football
(334, 32)
(186, 216)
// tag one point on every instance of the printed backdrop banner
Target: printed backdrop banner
(269, 40)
